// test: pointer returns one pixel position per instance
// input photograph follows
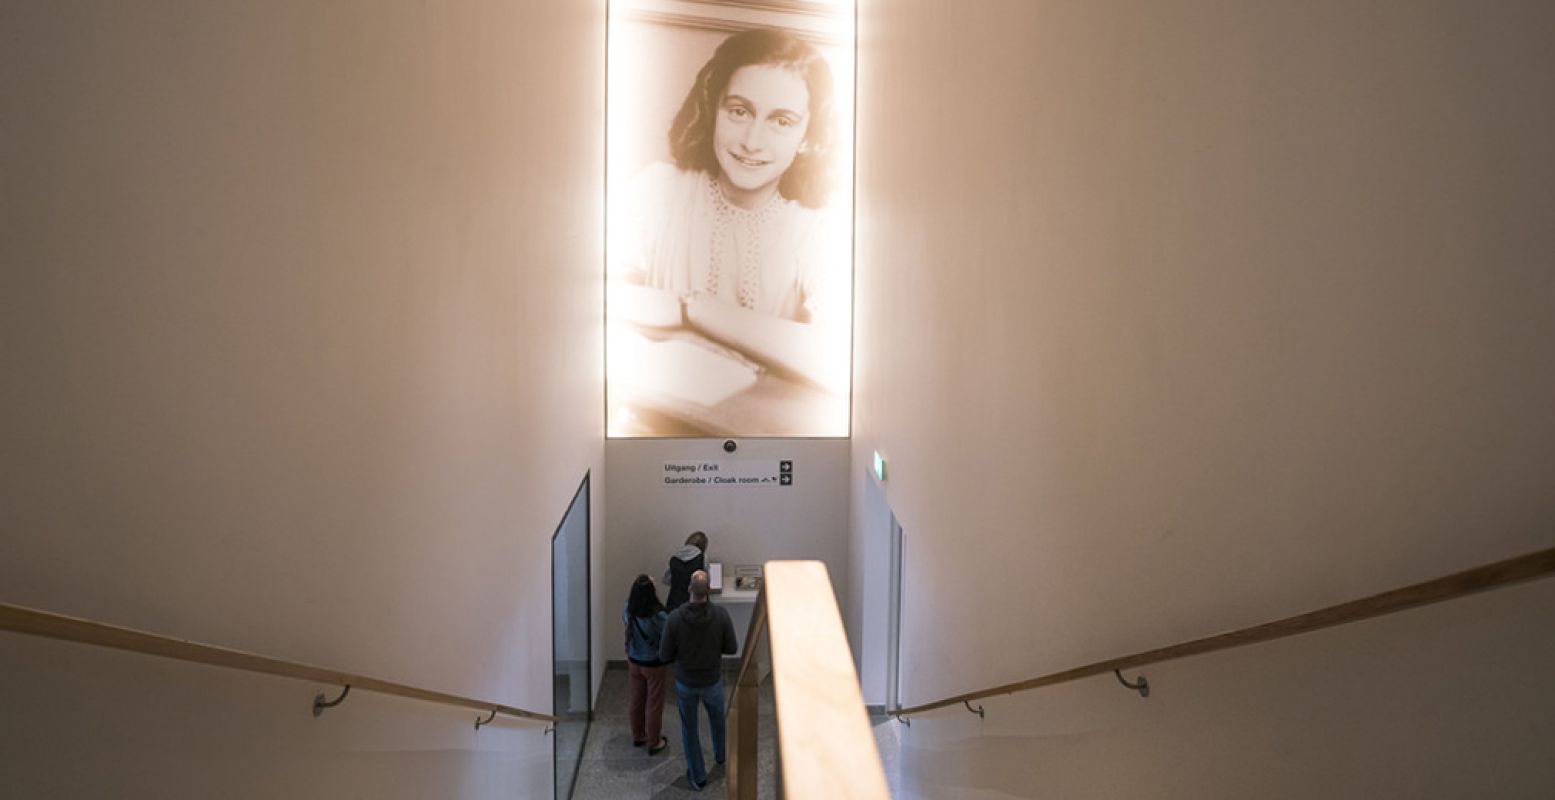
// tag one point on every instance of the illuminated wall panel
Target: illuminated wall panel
(729, 309)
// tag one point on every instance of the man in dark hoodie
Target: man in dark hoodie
(697, 637)
(688, 559)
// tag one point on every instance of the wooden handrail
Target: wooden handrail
(20, 619)
(1502, 573)
(826, 747)
(742, 714)
(744, 676)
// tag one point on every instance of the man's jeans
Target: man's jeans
(688, 698)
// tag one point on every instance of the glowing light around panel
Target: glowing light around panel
(730, 143)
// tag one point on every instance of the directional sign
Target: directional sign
(729, 473)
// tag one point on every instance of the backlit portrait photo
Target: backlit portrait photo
(729, 302)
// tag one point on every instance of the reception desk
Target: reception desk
(739, 603)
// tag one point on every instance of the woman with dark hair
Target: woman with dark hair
(733, 238)
(803, 135)
(644, 617)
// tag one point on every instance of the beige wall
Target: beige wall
(1178, 317)
(1445, 702)
(301, 342)
(650, 520)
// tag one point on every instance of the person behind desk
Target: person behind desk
(688, 559)
(733, 240)
(697, 637)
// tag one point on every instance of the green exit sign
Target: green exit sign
(879, 466)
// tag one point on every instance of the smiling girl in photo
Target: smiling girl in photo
(733, 239)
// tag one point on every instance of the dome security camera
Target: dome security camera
(729, 446)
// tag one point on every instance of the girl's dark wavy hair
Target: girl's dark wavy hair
(644, 599)
(808, 181)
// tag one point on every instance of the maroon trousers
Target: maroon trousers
(646, 710)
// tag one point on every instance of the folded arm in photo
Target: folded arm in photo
(814, 352)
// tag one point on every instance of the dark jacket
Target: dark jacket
(686, 560)
(696, 638)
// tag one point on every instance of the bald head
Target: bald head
(699, 587)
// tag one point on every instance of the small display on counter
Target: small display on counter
(747, 578)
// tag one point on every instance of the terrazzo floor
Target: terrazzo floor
(612, 768)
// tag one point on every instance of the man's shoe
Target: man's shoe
(659, 747)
